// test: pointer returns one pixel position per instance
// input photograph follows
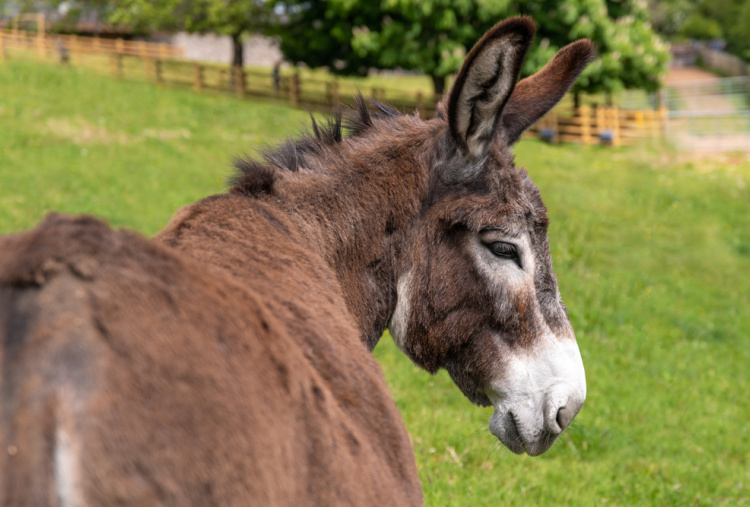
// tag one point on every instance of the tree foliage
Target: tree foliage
(705, 20)
(733, 17)
(319, 34)
(226, 17)
(697, 26)
(434, 36)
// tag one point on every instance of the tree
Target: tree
(705, 20)
(733, 17)
(320, 35)
(697, 26)
(632, 55)
(352, 36)
(433, 36)
(740, 33)
(227, 17)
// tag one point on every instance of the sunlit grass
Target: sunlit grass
(74, 141)
(652, 258)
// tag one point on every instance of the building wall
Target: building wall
(258, 50)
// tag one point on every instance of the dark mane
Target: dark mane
(255, 177)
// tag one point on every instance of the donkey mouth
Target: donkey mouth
(513, 440)
(509, 429)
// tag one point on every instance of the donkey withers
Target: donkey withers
(226, 361)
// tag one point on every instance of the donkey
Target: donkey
(226, 361)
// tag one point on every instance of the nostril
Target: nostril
(565, 415)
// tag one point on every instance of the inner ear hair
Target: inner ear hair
(485, 82)
(534, 96)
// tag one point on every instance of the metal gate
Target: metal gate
(710, 114)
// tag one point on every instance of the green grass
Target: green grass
(74, 141)
(652, 257)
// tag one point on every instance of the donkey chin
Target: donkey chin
(540, 393)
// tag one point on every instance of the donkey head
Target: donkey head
(476, 293)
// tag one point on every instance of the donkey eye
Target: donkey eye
(505, 250)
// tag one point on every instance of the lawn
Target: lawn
(652, 258)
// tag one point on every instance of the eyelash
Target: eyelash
(505, 251)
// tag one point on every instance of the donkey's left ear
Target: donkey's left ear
(485, 82)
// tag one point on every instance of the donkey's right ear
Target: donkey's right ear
(537, 94)
(485, 82)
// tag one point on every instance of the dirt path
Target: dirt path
(678, 75)
(714, 125)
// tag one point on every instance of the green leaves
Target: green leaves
(228, 17)
(705, 20)
(434, 35)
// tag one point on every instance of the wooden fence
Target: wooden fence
(607, 125)
(160, 63)
(45, 43)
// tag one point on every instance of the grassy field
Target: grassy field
(652, 256)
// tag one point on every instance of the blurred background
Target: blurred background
(129, 109)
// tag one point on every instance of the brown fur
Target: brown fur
(101, 338)
(223, 361)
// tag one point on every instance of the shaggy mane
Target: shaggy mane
(255, 177)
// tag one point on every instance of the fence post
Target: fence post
(197, 77)
(40, 40)
(332, 94)
(73, 46)
(585, 114)
(640, 120)
(115, 65)
(157, 72)
(555, 124)
(420, 100)
(663, 117)
(547, 127)
(599, 125)
(615, 112)
(641, 124)
(294, 89)
(648, 122)
(97, 44)
(238, 80)
(276, 79)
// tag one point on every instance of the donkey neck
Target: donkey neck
(355, 205)
(351, 204)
